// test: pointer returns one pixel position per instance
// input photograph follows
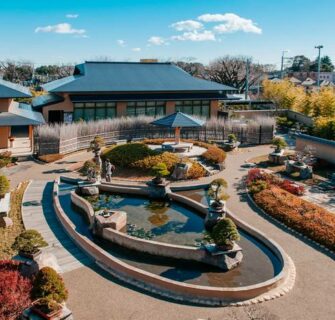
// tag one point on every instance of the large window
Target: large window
(194, 107)
(94, 110)
(146, 108)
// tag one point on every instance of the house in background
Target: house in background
(16, 120)
(101, 90)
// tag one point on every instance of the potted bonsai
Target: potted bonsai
(160, 171)
(28, 244)
(47, 308)
(224, 234)
(96, 145)
(279, 144)
(49, 292)
(232, 138)
(217, 192)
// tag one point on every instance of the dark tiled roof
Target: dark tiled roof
(131, 77)
(45, 100)
(13, 90)
(21, 115)
(178, 120)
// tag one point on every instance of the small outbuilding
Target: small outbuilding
(16, 120)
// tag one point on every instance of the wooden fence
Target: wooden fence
(248, 135)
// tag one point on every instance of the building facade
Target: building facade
(102, 90)
(16, 120)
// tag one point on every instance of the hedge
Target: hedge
(307, 218)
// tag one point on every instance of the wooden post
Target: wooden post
(177, 135)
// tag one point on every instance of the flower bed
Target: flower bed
(139, 156)
(307, 218)
(279, 198)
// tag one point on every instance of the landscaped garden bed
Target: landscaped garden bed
(8, 235)
(139, 157)
(307, 218)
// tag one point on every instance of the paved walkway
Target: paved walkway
(38, 214)
(96, 295)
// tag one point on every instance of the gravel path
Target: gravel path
(96, 295)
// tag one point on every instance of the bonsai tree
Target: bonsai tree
(4, 186)
(47, 308)
(224, 234)
(160, 170)
(49, 284)
(96, 144)
(91, 170)
(29, 242)
(232, 138)
(279, 143)
(217, 192)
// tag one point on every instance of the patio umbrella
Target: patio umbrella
(177, 121)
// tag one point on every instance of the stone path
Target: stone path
(38, 214)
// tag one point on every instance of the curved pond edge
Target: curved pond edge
(179, 291)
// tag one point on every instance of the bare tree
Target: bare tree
(195, 69)
(231, 71)
(16, 71)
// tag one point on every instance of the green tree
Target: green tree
(325, 66)
(300, 63)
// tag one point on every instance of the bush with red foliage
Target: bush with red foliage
(214, 155)
(292, 187)
(14, 290)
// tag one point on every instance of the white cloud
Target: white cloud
(195, 36)
(231, 23)
(156, 41)
(61, 28)
(72, 16)
(136, 49)
(121, 43)
(187, 25)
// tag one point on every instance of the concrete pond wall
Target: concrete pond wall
(184, 292)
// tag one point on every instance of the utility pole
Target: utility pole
(282, 64)
(247, 78)
(319, 63)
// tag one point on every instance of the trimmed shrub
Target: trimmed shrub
(127, 154)
(4, 186)
(88, 166)
(196, 171)
(303, 216)
(147, 163)
(160, 170)
(279, 143)
(14, 290)
(224, 233)
(49, 284)
(29, 242)
(5, 158)
(214, 155)
(257, 186)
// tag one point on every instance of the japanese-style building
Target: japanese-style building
(16, 119)
(100, 90)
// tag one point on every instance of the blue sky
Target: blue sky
(63, 31)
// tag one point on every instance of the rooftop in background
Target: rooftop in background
(12, 90)
(20, 114)
(98, 77)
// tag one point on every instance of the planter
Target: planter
(31, 256)
(49, 316)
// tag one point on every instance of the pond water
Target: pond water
(182, 226)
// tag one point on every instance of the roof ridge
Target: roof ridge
(127, 62)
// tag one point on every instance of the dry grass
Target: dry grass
(8, 235)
